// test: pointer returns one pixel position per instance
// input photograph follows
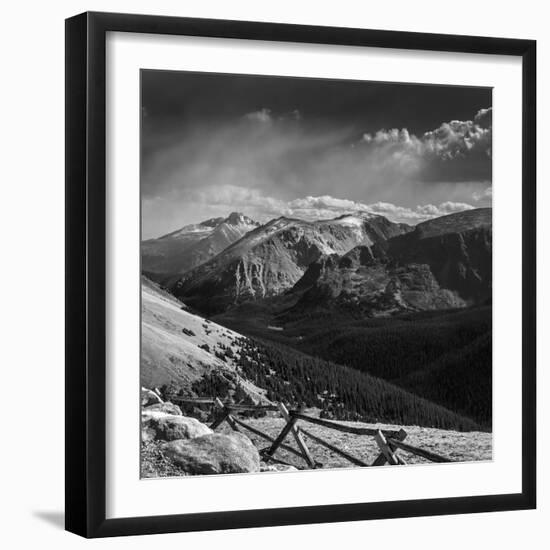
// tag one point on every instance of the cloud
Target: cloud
(485, 194)
(263, 208)
(451, 140)
(458, 139)
(392, 136)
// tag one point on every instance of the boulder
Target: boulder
(149, 397)
(166, 407)
(169, 427)
(214, 454)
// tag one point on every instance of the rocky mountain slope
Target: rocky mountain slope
(270, 259)
(180, 347)
(192, 245)
(443, 263)
(458, 250)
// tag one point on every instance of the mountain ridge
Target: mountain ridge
(271, 258)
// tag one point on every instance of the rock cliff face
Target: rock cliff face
(192, 245)
(273, 258)
(444, 263)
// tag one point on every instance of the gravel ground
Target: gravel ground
(458, 446)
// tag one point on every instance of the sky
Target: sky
(212, 144)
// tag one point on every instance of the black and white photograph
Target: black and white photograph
(316, 274)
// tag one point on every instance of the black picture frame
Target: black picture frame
(86, 263)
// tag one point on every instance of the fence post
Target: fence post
(385, 449)
(280, 438)
(230, 420)
(381, 458)
(298, 437)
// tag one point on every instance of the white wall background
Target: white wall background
(32, 285)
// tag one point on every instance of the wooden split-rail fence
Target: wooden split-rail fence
(388, 441)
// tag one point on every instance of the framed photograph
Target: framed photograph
(285, 301)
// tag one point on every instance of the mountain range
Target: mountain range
(272, 258)
(358, 260)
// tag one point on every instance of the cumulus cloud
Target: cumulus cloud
(451, 140)
(457, 139)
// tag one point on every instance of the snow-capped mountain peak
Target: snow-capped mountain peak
(193, 244)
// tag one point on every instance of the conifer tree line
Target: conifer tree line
(341, 392)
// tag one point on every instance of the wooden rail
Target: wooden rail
(193, 400)
(258, 408)
(342, 427)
